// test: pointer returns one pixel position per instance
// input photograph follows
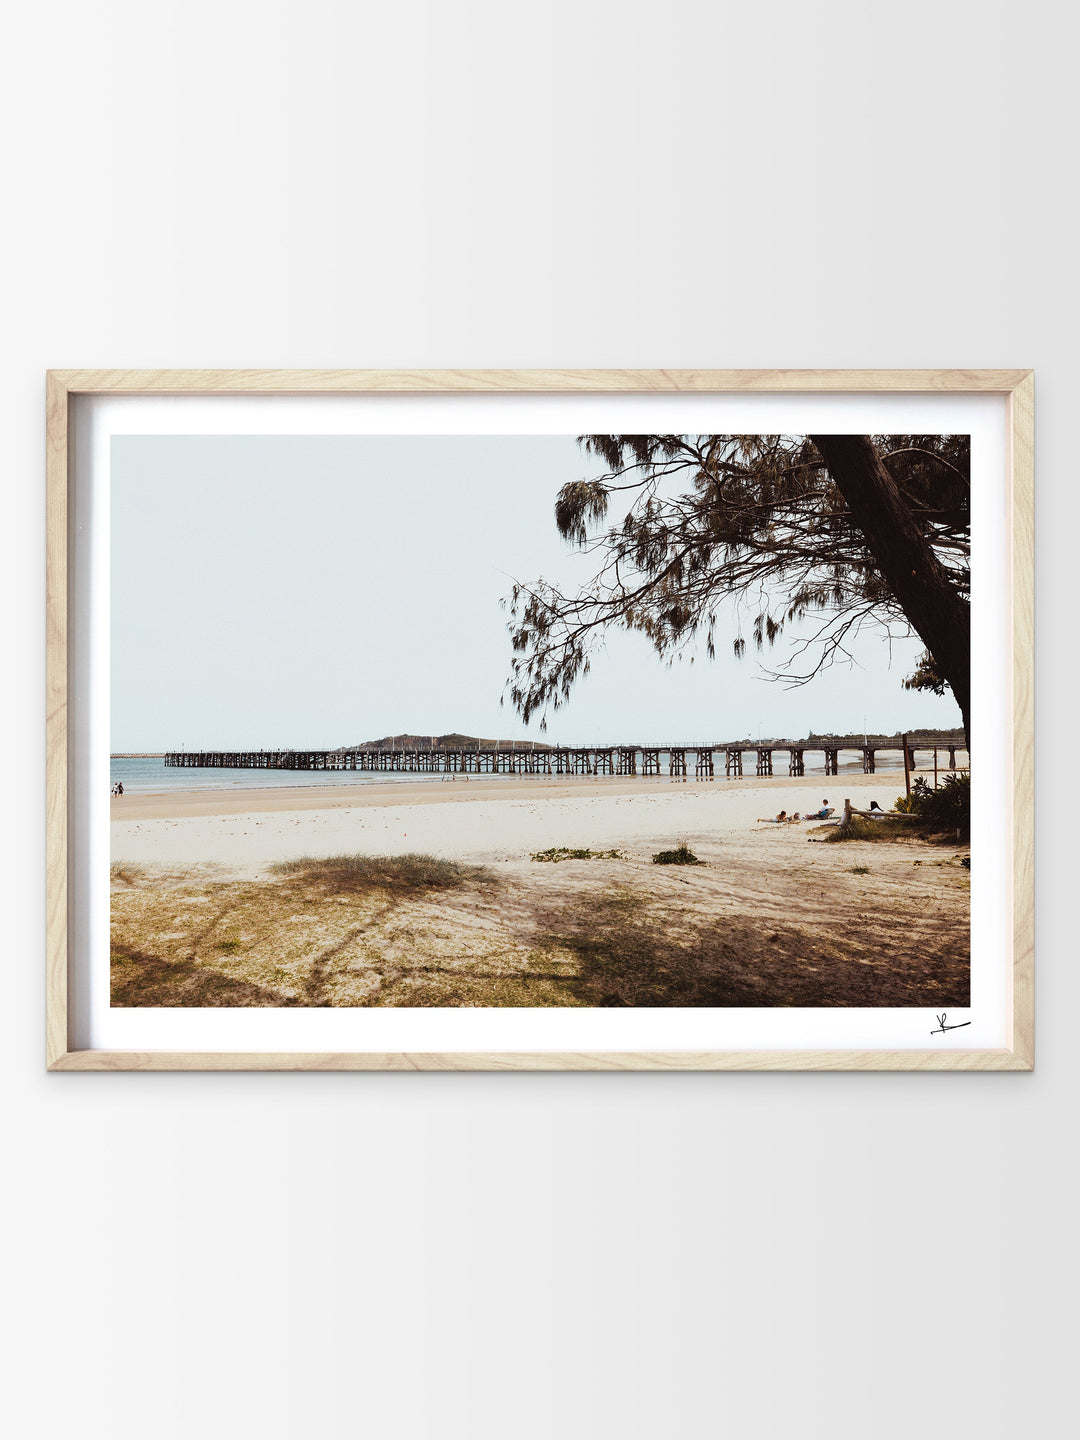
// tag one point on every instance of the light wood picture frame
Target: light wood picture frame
(66, 387)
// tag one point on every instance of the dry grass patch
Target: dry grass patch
(348, 931)
(415, 931)
(399, 874)
(139, 978)
(124, 872)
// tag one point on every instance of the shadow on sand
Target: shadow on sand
(147, 980)
(629, 955)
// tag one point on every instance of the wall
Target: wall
(583, 183)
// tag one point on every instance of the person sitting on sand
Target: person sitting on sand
(822, 814)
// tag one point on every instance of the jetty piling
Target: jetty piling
(597, 760)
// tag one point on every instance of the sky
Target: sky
(317, 591)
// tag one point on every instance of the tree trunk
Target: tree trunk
(914, 574)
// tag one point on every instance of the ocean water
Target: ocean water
(153, 774)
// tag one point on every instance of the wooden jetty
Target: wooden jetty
(705, 760)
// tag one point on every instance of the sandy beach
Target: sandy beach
(488, 820)
(202, 917)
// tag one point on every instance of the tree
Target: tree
(854, 530)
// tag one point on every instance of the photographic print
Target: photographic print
(539, 721)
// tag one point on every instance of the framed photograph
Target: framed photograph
(521, 720)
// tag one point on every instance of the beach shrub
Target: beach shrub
(403, 873)
(681, 855)
(933, 811)
(560, 852)
(947, 807)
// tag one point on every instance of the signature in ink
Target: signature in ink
(943, 1027)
